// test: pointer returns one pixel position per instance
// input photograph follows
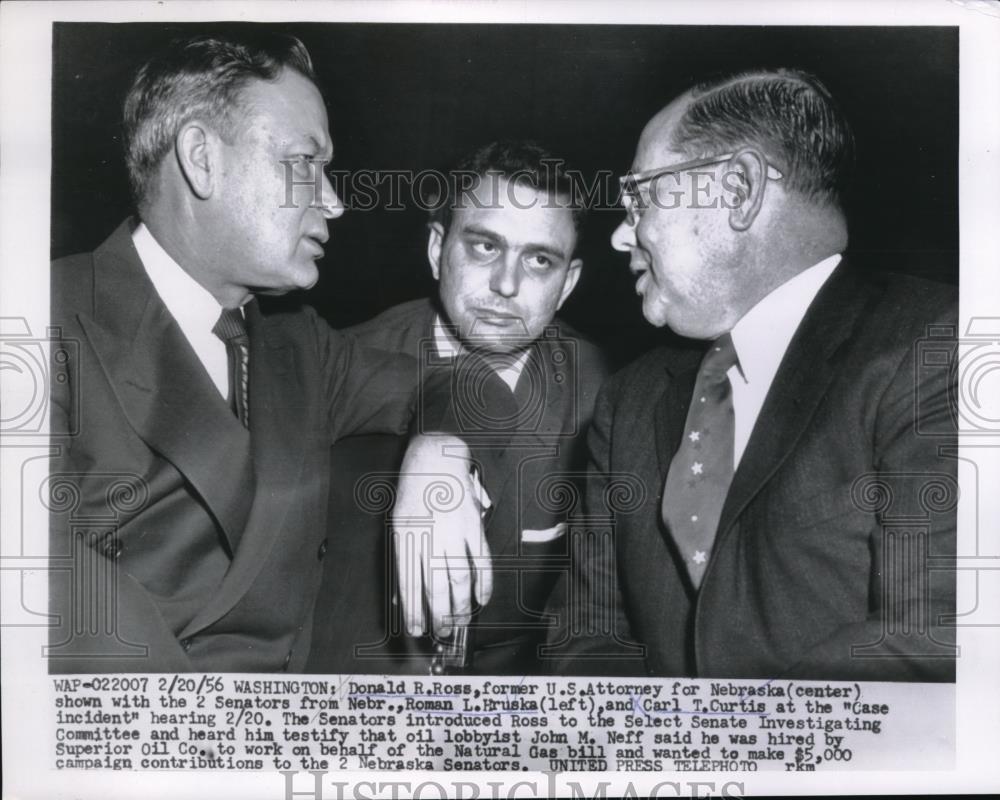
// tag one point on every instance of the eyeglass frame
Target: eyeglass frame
(635, 178)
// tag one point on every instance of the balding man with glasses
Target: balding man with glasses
(772, 461)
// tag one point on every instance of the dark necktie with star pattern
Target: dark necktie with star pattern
(702, 468)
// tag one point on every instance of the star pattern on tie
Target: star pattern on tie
(701, 470)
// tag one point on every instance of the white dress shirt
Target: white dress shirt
(448, 346)
(193, 307)
(761, 338)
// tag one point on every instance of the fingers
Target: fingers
(484, 570)
(440, 600)
(441, 578)
(459, 579)
(445, 579)
(412, 551)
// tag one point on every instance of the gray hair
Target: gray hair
(788, 114)
(199, 77)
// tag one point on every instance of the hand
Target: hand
(442, 556)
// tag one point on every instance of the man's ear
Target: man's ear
(194, 148)
(572, 276)
(746, 176)
(434, 241)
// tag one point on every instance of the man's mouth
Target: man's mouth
(493, 317)
(315, 245)
(640, 269)
(640, 284)
(489, 319)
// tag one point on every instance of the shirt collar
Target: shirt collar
(445, 341)
(190, 303)
(763, 334)
(449, 346)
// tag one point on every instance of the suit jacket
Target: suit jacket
(529, 477)
(832, 559)
(179, 539)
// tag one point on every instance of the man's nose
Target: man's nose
(623, 238)
(505, 280)
(329, 202)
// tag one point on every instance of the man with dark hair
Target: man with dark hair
(501, 246)
(195, 414)
(796, 466)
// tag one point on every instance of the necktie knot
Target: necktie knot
(230, 325)
(721, 356)
(232, 330)
(482, 401)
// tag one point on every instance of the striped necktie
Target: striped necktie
(232, 330)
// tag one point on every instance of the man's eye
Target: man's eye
(539, 262)
(484, 248)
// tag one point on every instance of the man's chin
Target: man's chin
(300, 283)
(499, 344)
(654, 312)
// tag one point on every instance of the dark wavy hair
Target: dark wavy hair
(524, 162)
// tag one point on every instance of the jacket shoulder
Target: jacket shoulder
(74, 280)
(395, 329)
(921, 300)
(71, 286)
(590, 359)
(652, 370)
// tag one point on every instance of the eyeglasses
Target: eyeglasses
(632, 198)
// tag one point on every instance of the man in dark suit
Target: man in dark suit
(792, 474)
(195, 410)
(501, 247)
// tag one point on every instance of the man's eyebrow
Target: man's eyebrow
(486, 233)
(536, 247)
(315, 144)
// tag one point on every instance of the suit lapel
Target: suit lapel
(671, 409)
(166, 394)
(279, 424)
(669, 414)
(799, 386)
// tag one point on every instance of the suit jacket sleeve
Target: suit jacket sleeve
(367, 390)
(907, 634)
(593, 635)
(373, 390)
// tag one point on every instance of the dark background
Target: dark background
(419, 96)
